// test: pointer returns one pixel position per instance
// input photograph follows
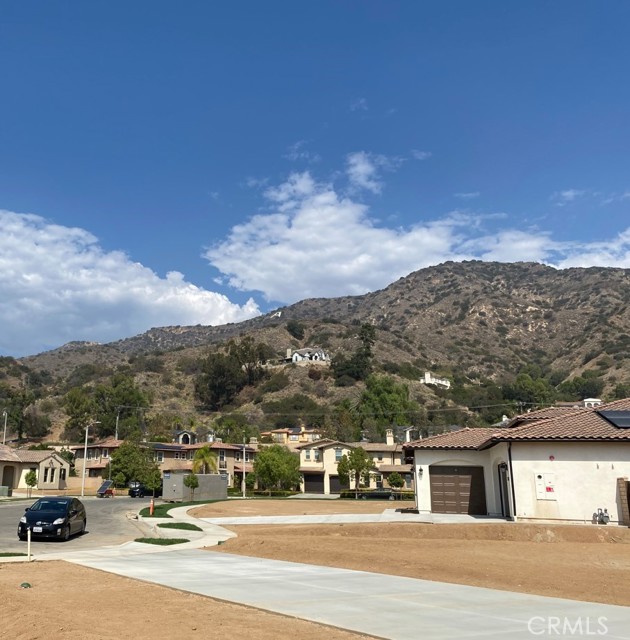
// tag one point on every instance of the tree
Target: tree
(80, 408)
(31, 480)
(132, 462)
(192, 482)
(276, 467)
(356, 466)
(385, 402)
(205, 460)
(153, 479)
(395, 480)
(220, 382)
(296, 329)
(359, 365)
(36, 425)
(251, 356)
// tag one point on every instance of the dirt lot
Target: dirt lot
(569, 561)
(67, 601)
(579, 562)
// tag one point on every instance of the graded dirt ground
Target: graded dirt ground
(68, 601)
(579, 562)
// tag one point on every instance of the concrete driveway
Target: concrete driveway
(376, 604)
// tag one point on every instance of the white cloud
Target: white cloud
(469, 195)
(616, 197)
(360, 104)
(363, 170)
(562, 198)
(57, 285)
(319, 243)
(256, 183)
(420, 155)
(297, 152)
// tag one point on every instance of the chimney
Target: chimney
(289, 353)
(253, 440)
(389, 437)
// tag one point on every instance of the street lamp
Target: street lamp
(87, 428)
(4, 435)
(244, 483)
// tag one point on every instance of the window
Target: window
(52, 474)
(105, 453)
(62, 473)
(176, 455)
(159, 456)
(379, 457)
(294, 438)
(191, 455)
(307, 454)
(90, 454)
(45, 474)
(338, 454)
(222, 462)
(316, 455)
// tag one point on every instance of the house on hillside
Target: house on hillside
(429, 378)
(51, 469)
(308, 355)
(561, 464)
(319, 460)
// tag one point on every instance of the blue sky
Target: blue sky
(200, 163)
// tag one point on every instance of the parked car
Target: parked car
(138, 490)
(54, 517)
(377, 494)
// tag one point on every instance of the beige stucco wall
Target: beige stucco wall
(584, 476)
(489, 460)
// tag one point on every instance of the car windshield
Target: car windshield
(49, 505)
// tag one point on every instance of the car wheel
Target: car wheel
(83, 526)
(66, 534)
(21, 538)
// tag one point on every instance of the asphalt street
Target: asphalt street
(109, 522)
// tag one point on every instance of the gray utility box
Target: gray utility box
(211, 487)
(6, 492)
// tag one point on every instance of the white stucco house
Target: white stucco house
(559, 464)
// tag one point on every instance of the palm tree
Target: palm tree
(205, 460)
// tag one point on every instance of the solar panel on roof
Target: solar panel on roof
(619, 419)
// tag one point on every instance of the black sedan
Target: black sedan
(53, 518)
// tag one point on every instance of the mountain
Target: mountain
(477, 323)
(483, 319)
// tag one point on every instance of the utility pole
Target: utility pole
(244, 484)
(87, 429)
(4, 435)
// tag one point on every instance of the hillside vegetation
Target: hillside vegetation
(508, 336)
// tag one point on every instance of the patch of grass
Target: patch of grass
(9, 554)
(188, 526)
(161, 510)
(162, 541)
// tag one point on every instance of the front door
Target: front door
(8, 477)
(504, 489)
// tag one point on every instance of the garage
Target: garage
(336, 486)
(313, 483)
(458, 490)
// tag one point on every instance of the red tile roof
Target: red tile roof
(462, 439)
(576, 425)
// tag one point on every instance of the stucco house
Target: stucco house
(170, 457)
(558, 464)
(307, 355)
(51, 469)
(319, 460)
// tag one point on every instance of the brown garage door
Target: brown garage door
(458, 490)
(336, 485)
(313, 483)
